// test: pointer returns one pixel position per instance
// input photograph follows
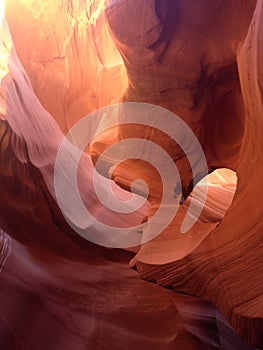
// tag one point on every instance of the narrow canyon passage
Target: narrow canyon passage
(100, 260)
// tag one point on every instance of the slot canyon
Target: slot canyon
(131, 173)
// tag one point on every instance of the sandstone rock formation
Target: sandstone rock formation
(200, 60)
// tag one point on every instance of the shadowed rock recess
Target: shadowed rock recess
(62, 60)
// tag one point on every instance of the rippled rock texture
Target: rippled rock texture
(199, 59)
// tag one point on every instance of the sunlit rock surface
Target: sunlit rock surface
(72, 63)
(202, 61)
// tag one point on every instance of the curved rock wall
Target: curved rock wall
(202, 61)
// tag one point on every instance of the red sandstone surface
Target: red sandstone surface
(201, 60)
